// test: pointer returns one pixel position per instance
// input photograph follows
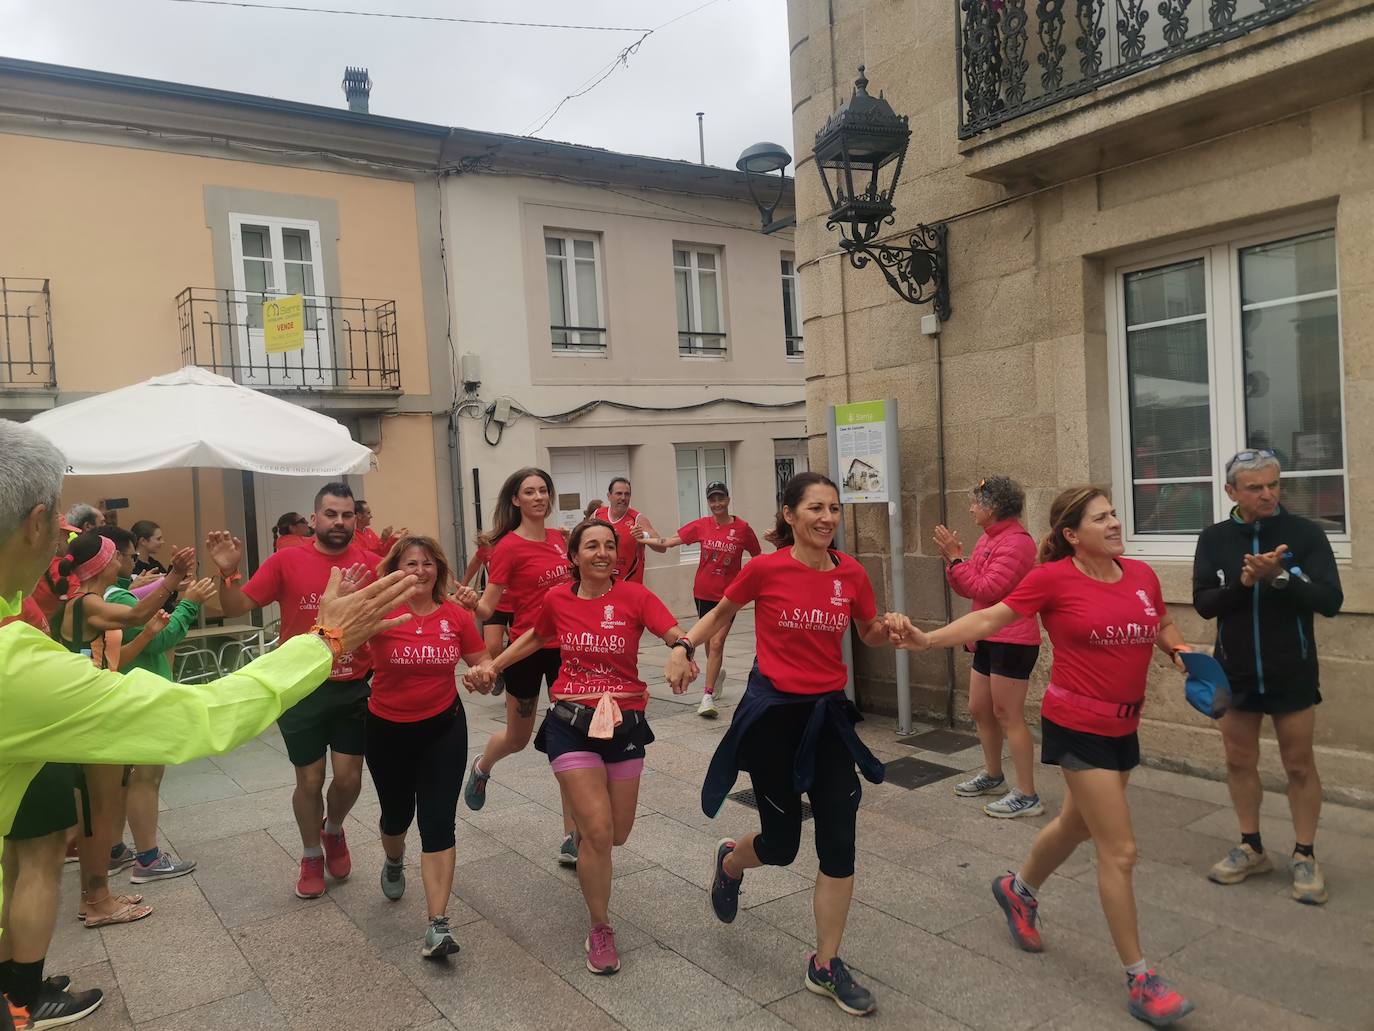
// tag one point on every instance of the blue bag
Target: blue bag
(1207, 690)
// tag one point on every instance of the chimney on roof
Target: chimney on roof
(357, 88)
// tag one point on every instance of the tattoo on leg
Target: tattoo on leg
(526, 706)
(95, 881)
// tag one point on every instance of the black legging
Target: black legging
(769, 752)
(419, 766)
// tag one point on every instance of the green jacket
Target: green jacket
(157, 657)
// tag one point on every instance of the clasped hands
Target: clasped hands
(1264, 566)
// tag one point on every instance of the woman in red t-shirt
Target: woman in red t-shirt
(595, 732)
(292, 531)
(417, 732)
(1105, 615)
(794, 729)
(527, 560)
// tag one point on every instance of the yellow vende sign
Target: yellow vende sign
(283, 324)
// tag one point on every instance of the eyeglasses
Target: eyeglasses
(1251, 455)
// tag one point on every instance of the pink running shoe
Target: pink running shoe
(1154, 1000)
(337, 859)
(1020, 914)
(601, 955)
(311, 883)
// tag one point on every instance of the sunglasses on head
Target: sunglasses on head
(1250, 456)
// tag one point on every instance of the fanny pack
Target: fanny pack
(1125, 712)
(579, 717)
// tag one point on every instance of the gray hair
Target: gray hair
(82, 513)
(1255, 459)
(31, 470)
(1000, 495)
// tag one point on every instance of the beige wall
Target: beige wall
(1025, 352)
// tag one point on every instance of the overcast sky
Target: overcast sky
(728, 59)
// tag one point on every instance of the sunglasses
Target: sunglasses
(1251, 455)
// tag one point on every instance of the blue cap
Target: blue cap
(1207, 689)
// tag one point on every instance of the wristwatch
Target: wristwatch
(686, 646)
(953, 562)
(1280, 580)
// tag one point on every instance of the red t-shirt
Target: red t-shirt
(31, 613)
(527, 570)
(1102, 635)
(368, 540)
(292, 540)
(722, 553)
(801, 616)
(295, 578)
(413, 664)
(48, 600)
(599, 638)
(628, 551)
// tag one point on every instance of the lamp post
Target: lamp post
(758, 162)
(859, 154)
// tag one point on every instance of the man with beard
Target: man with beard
(332, 719)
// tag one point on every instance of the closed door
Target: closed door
(581, 474)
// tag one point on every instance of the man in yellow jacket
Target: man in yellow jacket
(55, 706)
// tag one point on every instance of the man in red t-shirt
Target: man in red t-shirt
(631, 530)
(724, 540)
(367, 538)
(332, 718)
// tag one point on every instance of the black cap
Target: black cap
(717, 487)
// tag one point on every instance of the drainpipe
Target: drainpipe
(930, 326)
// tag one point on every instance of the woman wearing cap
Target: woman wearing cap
(596, 730)
(1002, 663)
(1105, 615)
(724, 539)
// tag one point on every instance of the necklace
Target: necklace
(420, 621)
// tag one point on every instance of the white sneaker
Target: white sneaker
(707, 708)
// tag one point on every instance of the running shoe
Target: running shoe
(1021, 914)
(1014, 804)
(56, 1006)
(475, 793)
(1309, 886)
(19, 1016)
(1153, 1000)
(983, 784)
(724, 888)
(438, 940)
(311, 882)
(337, 859)
(59, 981)
(1241, 862)
(121, 857)
(835, 982)
(393, 879)
(707, 708)
(602, 958)
(567, 852)
(164, 868)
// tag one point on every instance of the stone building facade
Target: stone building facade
(1159, 251)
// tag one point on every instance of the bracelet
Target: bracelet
(953, 562)
(331, 636)
(232, 577)
(686, 646)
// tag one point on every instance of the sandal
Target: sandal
(125, 914)
(131, 899)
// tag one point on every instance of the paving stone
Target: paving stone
(322, 973)
(804, 1009)
(251, 1011)
(112, 1015)
(207, 821)
(193, 788)
(657, 988)
(256, 766)
(928, 902)
(384, 922)
(536, 833)
(73, 946)
(495, 984)
(1339, 846)
(245, 878)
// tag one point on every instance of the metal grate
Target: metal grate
(746, 797)
(946, 742)
(910, 772)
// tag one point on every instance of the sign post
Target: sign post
(865, 463)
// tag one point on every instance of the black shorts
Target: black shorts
(334, 716)
(523, 678)
(1277, 700)
(1080, 750)
(48, 804)
(556, 738)
(704, 607)
(499, 618)
(1013, 661)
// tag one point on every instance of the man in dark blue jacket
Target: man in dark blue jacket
(1261, 574)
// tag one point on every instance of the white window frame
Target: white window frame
(791, 286)
(1221, 275)
(694, 270)
(689, 553)
(583, 348)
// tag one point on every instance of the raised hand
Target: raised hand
(466, 597)
(184, 562)
(225, 550)
(201, 591)
(951, 547)
(361, 615)
(354, 577)
(157, 622)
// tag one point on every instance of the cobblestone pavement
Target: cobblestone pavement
(231, 947)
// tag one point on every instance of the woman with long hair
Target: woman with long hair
(1002, 664)
(1105, 615)
(794, 728)
(527, 559)
(595, 732)
(417, 733)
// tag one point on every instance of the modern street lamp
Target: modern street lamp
(758, 163)
(859, 154)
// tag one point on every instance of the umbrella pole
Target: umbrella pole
(195, 515)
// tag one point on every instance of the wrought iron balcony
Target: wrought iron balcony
(697, 344)
(1011, 61)
(350, 342)
(26, 351)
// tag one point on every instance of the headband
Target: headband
(93, 565)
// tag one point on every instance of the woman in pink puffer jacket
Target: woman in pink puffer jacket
(1002, 664)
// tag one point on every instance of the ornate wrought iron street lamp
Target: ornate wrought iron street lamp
(859, 155)
(758, 163)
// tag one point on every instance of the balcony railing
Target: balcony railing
(350, 342)
(796, 347)
(1011, 61)
(578, 339)
(26, 352)
(700, 345)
